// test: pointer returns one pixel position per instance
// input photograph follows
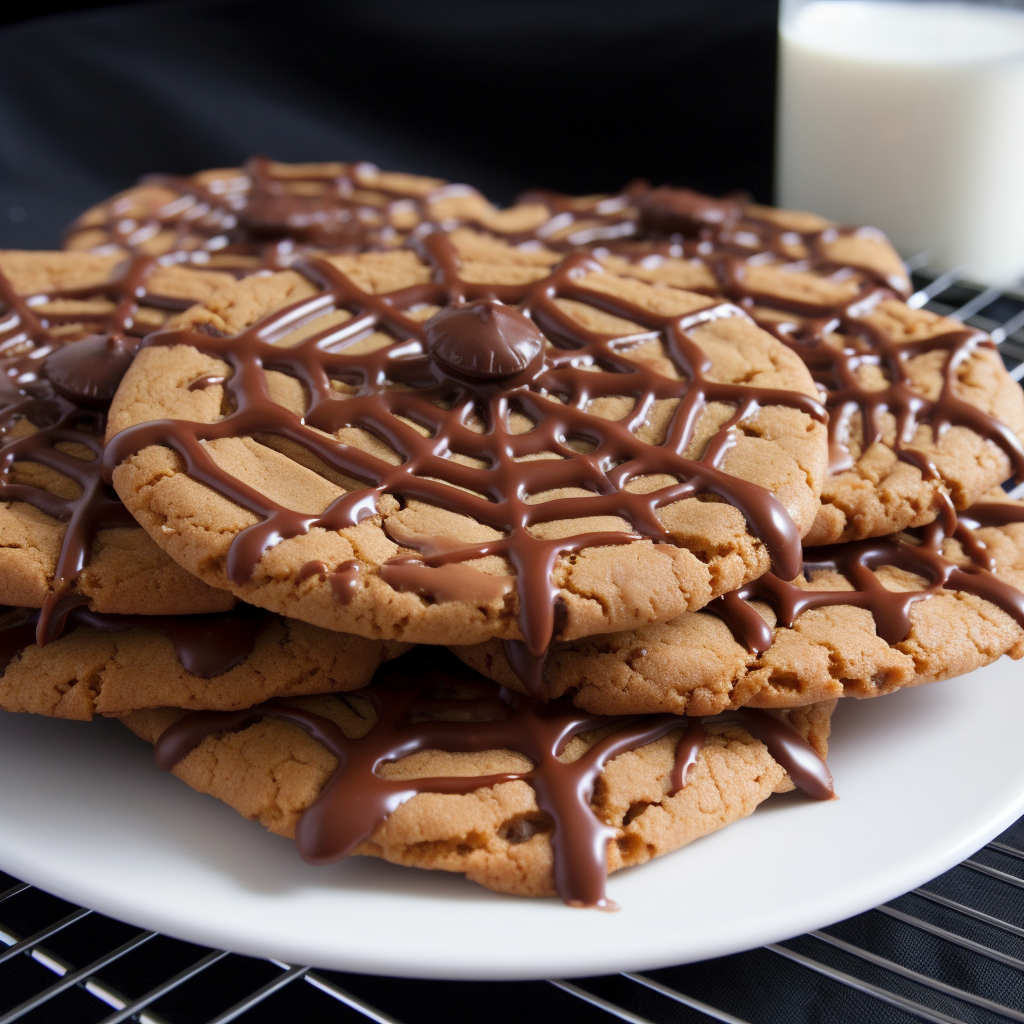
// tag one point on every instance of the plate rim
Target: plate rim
(844, 902)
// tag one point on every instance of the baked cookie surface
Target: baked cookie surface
(921, 407)
(378, 445)
(862, 620)
(72, 324)
(113, 664)
(263, 212)
(266, 212)
(446, 774)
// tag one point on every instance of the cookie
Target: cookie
(260, 214)
(950, 422)
(676, 217)
(113, 664)
(434, 767)
(862, 620)
(71, 326)
(921, 406)
(434, 465)
(267, 212)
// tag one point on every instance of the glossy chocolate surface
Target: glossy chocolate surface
(410, 694)
(61, 390)
(483, 340)
(554, 392)
(919, 552)
(89, 371)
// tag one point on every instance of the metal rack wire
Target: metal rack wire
(951, 951)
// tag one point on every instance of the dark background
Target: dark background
(577, 95)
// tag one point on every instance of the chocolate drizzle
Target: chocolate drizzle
(836, 340)
(57, 380)
(553, 392)
(341, 215)
(273, 215)
(263, 216)
(919, 553)
(206, 645)
(408, 697)
(344, 579)
(644, 223)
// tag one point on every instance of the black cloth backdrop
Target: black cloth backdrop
(578, 95)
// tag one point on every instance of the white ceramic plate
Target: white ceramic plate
(925, 777)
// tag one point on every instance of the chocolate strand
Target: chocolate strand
(445, 402)
(263, 217)
(857, 561)
(646, 225)
(356, 798)
(52, 380)
(687, 751)
(804, 767)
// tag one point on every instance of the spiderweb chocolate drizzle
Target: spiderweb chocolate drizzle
(409, 697)
(349, 212)
(644, 222)
(58, 381)
(979, 516)
(724, 235)
(919, 553)
(265, 219)
(838, 341)
(552, 390)
(198, 218)
(206, 645)
(641, 223)
(269, 213)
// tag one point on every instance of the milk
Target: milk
(908, 116)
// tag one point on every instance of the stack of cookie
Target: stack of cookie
(649, 481)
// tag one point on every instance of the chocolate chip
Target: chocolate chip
(89, 371)
(483, 340)
(671, 211)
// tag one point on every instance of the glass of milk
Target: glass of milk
(908, 115)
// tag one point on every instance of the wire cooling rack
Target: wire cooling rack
(950, 951)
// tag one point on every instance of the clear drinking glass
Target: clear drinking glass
(908, 115)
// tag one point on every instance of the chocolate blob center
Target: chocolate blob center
(669, 211)
(483, 340)
(89, 371)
